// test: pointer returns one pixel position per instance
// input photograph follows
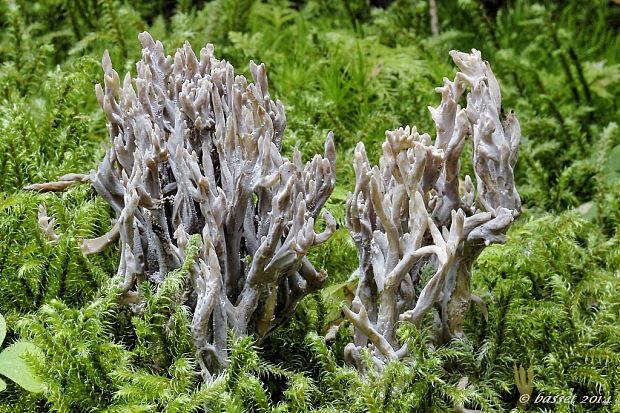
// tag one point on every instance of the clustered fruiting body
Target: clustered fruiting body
(413, 211)
(196, 150)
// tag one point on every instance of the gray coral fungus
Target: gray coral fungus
(196, 150)
(413, 211)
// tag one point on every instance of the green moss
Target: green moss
(551, 291)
